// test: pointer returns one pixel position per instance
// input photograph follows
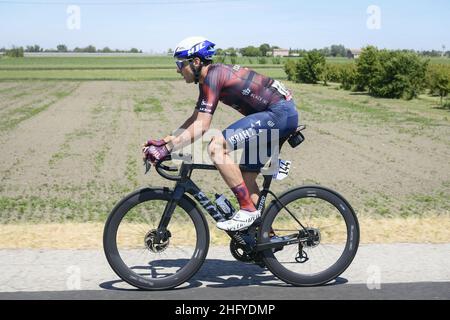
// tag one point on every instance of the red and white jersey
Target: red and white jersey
(239, 87)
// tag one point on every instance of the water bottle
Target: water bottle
(224, 206)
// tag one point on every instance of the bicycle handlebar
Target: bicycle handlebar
(161, 169)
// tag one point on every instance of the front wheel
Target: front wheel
(323, 234)
(150, 257)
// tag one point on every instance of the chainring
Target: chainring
(239, 253)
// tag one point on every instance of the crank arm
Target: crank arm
(279, 242)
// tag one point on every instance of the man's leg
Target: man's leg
(219, 154)
(230, 172)
(233, 177)
(253, 189)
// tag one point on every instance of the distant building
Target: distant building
(353, 53)
(280, 52)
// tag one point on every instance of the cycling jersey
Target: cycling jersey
(270, 113)
(238, 87)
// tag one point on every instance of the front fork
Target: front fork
(167, 214)
(180, 189)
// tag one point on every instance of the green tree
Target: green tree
(35, 48)
(61, 48)
(338, 50)
(348, 76)
(14, 52)
(325, 51)
(400, 75)
(231, 52)
(367, 66)
(264, 48)
(290, 67)
(326, 74)
(250, 51)
(90, 48)
(134, 50)
(310, 68)
(440, 84)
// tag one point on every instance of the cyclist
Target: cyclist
(267, 107)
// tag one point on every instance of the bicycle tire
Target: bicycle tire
(112, 252)
(351, 245)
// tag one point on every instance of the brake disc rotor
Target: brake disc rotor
(152, 243)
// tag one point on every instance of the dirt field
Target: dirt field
(71, 150)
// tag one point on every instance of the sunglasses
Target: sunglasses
(182, 63)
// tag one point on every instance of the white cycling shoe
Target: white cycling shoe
(241, 220)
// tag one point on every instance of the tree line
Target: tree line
(382, 73)
(19, 51)
(263, 50)
(335, 50)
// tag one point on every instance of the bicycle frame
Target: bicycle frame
(184, 185)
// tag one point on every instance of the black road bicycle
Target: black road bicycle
(158, 238)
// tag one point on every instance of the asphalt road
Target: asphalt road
(389, 291)
(391, 271)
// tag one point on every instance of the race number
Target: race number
(283, 169)
(282, 89)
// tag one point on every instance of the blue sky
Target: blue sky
(156, 25)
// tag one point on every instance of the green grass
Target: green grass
(90, 74)
(414, 118)
(64, 149)
(62, 153)
(132, 166)
(106, 68)
(149, 105)
(12, 118)
(181, 105)
(61, 94)
(115, 74)
(51, 209)
(20, 95)
(99, 157)
(86, 62)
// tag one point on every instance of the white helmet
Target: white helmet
(194, 47)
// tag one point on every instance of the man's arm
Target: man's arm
(199, 124)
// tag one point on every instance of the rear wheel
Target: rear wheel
(147, 257)
(325, 232)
